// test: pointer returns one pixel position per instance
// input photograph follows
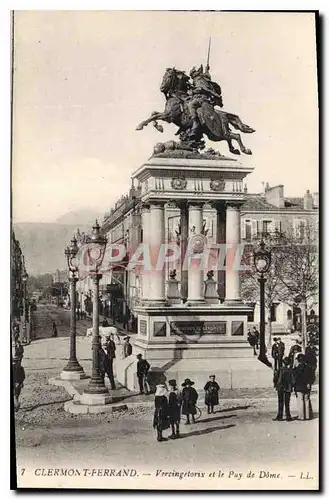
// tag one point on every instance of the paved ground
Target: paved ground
(240, 437)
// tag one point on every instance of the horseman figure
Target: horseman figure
(191, 105)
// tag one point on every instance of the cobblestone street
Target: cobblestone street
(240, 435)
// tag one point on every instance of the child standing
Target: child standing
(174, 406)
(211, 396)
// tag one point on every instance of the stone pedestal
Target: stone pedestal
(72, 375)
(210, 293)
(200, 336)
(173, 294)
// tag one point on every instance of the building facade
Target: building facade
(267, 212)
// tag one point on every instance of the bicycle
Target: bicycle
(198, 414)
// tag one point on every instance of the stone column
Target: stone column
(146, 241)
(195, 248)
(221, 240)
(232, 264)
(157, 277)
(183, 248)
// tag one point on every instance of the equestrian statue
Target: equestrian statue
(191, 104)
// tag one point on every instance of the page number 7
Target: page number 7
(22, 472)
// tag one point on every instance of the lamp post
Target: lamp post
(96, 393)
(303, 308)
(73, 370)
(24, 326)
(262, 262)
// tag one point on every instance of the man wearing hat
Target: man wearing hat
(105, 364)
(189, 398)
(110, 350)
(303, 378)
(160, 418)
(18, 380)
(127, 347)
(275, 353)
(211, 393)
(174, 407)
(143, 368)
(283, 383)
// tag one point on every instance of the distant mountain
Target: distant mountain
(43, 243)
(82, 217)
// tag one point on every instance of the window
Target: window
(273, 312)
(248, 230)
(267, 226)
(289, 314)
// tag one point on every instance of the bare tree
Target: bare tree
(299, 273)
(274, 288)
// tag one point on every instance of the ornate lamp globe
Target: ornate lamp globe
(71, 252)
(24, 276)
(262, 259)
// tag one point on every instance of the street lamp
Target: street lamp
(24, 277)
(73, 370)
(94, 250)
(262, 262)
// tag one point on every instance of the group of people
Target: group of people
(81, 314)
(171, 404)
(294, 373)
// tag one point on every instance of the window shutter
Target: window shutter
(243, 230)
(253, 228)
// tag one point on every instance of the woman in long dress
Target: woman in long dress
(160, 419)
(189, 398)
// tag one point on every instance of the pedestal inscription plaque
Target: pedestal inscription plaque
(198, 327)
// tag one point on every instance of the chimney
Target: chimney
(315, 200)
(274, 195)
(308, 200)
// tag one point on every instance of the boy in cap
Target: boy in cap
(211, 393)
(174, 406)
(189, 398)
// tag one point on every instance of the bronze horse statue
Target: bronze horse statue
(214, 123)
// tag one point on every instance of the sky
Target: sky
(83, 80)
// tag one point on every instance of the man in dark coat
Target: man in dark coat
(143, 368)
(281, 349)
(160, 418)
(252, 341)
(127, 347)
(18, 380)
(174, 408)
(105, 365)
(276, 354)
(54, 329)
(211, 393)
(256, 335)
(283, 383)
(189, 398)
(303, 378)
(110, 351)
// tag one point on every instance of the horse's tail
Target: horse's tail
(236, 122)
